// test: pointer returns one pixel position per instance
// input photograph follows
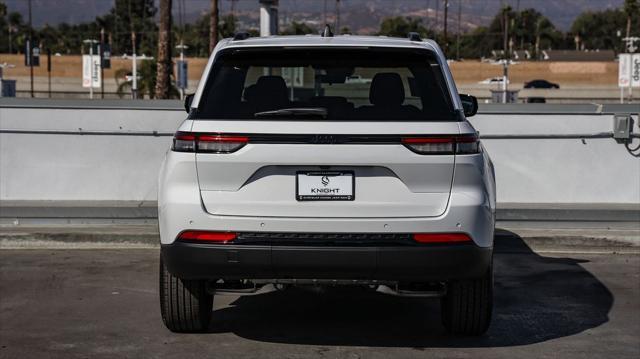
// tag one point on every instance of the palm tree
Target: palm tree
(630, 7)
(163, 79)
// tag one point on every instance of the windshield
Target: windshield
(326, 85)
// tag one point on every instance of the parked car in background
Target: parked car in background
(384, 187)
(491, 81)
(540, 84)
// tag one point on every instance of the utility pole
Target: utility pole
(30, 49)
(100, 53)
(324, 12)
(459, 29)
(426, 16)
(337, 29)
(233, 8)
(437, 16)
(505, 19)
(446, 16)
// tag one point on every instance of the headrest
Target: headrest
(269, 92)
(272, 91)
(386, 89)
(250, 93)
(273, 83)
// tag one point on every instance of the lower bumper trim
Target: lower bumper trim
(398, 264)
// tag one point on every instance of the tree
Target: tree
(4, 26)
(12, 24)
(227, 27)
(599, 29)
(298, 28)
(163, 78)
(128, 19)
(527, 30)
(401, 27)
(213, 26)
(196, 36)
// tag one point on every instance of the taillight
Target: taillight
(184, 142)
(207, 236)
(465, 144)
(441, 237)
(209, 143)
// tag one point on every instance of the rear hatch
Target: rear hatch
(331, 132)
(262, 178)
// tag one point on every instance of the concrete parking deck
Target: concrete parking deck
(102, 303)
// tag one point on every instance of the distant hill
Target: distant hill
(359, 15)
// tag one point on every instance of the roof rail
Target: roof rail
(414, 36)
(241, 36)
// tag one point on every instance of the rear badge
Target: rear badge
(325, 186)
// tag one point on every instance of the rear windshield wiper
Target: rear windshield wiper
(294, 111)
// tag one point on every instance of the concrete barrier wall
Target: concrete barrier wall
(122, 165)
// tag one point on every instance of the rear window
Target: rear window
(326, 84)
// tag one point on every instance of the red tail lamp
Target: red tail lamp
(207, 236)
(441, 237)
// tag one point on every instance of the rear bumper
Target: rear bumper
(405, 263)
(470, 208)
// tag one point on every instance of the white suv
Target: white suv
(287, 173)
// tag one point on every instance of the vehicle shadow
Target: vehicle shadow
(537, 298)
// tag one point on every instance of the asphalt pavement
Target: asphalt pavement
(103, 303)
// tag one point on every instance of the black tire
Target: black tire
(468, 304)
(185, 304)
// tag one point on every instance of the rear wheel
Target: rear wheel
(185, 304)
(467, 306)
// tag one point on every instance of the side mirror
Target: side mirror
(469, 104)
(187, 102)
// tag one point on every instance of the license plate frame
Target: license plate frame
(329, 175)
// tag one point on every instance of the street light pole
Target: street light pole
(134, 72)
(134, 68)
(91, 42)
(100, 54)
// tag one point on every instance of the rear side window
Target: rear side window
(326, 84)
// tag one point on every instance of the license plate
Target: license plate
(325, 186)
